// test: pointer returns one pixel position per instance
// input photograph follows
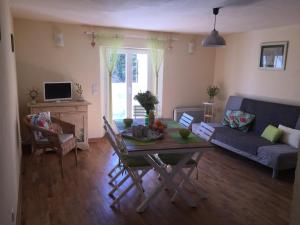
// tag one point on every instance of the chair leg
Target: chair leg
(113, 170)
(33, 151)
(76, 156)
(111, 182)
(117, 186)
(61, 166)
(43, 155)
(275, 173)
(128, 188)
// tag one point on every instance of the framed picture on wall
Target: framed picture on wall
(273, 55)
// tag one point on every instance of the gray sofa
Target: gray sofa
(277, 156)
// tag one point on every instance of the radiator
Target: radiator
(196, 112)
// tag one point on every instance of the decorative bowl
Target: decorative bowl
(127, 122)
(184, 133)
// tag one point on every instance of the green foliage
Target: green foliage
(147, 100)
(119, 73)
(212, 91)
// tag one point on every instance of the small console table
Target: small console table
(208, 112)
(75, 112)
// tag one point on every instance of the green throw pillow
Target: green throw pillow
(272, 133)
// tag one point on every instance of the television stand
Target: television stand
(75, 112)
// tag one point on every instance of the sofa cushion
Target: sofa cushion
(267, 113)
(272, 133)
(42, 120)
(65, 137)
(290, 136)
(238, 119)
(233, 103)
(248, 142)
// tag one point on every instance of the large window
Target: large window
(131, 75)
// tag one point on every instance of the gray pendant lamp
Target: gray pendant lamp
(214, 39)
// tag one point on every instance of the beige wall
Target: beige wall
(237, 73)
(10, 153)
(234, 68)
(38, 59)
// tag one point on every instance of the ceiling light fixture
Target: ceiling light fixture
(214, 39)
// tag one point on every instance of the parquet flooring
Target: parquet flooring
(240, 192)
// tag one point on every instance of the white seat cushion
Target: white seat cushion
(65, 137)
(290, 136)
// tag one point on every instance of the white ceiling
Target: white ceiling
(188, 16)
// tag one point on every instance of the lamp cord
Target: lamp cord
(215, 22)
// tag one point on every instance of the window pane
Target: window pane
(135, 69)
(119, 89)
(118, 75)
(139, 75)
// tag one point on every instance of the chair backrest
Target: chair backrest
(186, 120)
(139, 111)
(49, 137)
(115, 141)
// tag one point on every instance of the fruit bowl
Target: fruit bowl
(184, 133)
(159, 126)
(127, 122)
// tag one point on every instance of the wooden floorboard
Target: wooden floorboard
(240, 192)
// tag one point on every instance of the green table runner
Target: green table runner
(135, 142)
(191, 139)
(172, 124)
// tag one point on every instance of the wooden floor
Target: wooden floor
(240, 192)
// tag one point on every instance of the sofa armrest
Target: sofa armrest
(279, 156)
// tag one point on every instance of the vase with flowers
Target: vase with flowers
(212, 92)
(148, 101)
(79, 91)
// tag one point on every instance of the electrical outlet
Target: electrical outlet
(12, 215)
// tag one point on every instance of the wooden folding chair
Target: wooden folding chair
(139, 111)
(134, 166)
(186, 120)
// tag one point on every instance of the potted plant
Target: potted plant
(212, 91)
(79, 91)
(148, 101)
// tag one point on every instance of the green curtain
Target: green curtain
(156, 47)
(110, 56)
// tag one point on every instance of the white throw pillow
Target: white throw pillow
(290, 136)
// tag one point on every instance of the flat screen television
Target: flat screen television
(57, 91)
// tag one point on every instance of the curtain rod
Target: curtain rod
(90, 33)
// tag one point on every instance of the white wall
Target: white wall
(10, 151)
(237, 71)
(38, 59)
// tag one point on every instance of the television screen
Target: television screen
(57, 91)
